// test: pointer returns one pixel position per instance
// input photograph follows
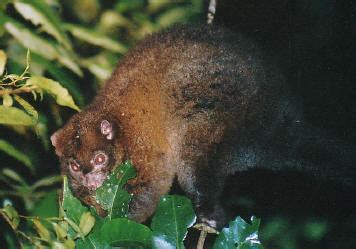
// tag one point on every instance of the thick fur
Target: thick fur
(197, 104)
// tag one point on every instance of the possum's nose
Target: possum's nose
(95, 179)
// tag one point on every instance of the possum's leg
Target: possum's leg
(204, 183)
(147, 188)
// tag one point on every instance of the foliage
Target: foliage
(78, 226)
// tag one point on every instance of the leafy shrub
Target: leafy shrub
(78, 227)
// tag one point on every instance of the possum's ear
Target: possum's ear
(106, 129)
(55, 142)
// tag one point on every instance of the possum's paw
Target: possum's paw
(215, 218)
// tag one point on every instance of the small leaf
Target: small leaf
(173, 16)
(14, 176)
(111, 195)
(3, 59)
(173, 216)
(60, 232)
(27, 106)
(15, 116)
(69, 244)
(40, 14)
(97, 39)
(15, 153)
(239, 234)
(46, 181)
(7, 100)
(11, 216)
(42, 230)
(86, 223)
(53, 88)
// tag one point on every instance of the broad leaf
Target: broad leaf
(123, 232)
(72, 207)
(15, 116)
(15, 153)
(97, 39)
(39, 14)
(173, 216)
(239, 235)
(111, 195)
(53, 88)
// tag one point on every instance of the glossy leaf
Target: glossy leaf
(15, 116)
(173, 216)
(124, 232)
(240, 235)
(111, 195)
(15, 153)
(72, 207)
(53, 88)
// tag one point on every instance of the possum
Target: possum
(193, 105)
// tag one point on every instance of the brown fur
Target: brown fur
(193, 103)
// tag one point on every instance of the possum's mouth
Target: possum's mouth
(95, 179)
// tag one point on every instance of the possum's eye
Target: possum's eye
(106, 129)
(100, 159)
(74, 165)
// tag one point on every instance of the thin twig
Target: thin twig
(18, 90)
(202, 237)
(211, 11)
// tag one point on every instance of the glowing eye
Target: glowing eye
(100, 159)
(74, 165)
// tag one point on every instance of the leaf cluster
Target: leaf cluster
(77, 226)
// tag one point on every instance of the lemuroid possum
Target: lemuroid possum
(195, 104)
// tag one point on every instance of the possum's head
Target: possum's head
(89, 147)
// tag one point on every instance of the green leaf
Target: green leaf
(42, 230)
(73, 208)
(173, 216)
(173, 16)
(46, 181)
(7, 100)
(239, 235)
(39, 14)
(11, 216)
(3, 59)
(95, 38)
(41, 46)
(86, 223)
(27, 106)
(53, 88)
(15, 153)
(47, 206)
(15, 116)
(61, 233)
(123, 232)
(111, 195)
(13, 175)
